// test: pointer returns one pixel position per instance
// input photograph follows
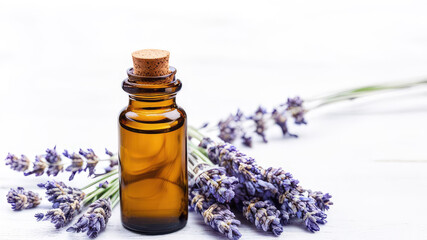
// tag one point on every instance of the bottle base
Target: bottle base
(155, 228)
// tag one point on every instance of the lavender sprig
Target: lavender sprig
(18, 164)
(62, 215)
(20, 199)
(65, 203)
(323, 201)
(281, 120)
(76, 164)
(260, 123)
(234, 127)
(296, 109)
(113, 161)
(216, 215)
(228, 129)
(214, 182)
(52, 164)
(39, 166)
(91, 160)
(94, 219)
(296, 204)
(263, 214)
(55, 164)
(58, 192)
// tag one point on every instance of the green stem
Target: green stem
(113, 172)
(193, 132)
(196, 150)
(114, 188)
(363, 91)
(116, 199)
(98, 191)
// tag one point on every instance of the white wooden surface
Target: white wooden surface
(61, 66)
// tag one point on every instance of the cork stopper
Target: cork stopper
(151, 62)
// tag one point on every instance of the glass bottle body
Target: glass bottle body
(153, 158)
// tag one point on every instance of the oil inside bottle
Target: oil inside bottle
(153, 187)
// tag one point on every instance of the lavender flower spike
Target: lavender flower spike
(281, 120)
(17, 164)
(55, 164)
(19, 199)
(323, 201)
(294, 106)
(228, 129)
(94, 220)
(296, 204)
(76, 164)
(217, 215)
(113, 161)
(91, 160)
(58, 192)
(239, 165)
(62, 215)
(39, 165)
(260, 122)
(263, 214)
(214, 182)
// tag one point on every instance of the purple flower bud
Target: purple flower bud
(20, 199)
(39, 166)
(76, 164)
(55, 164)
(228, 129)
(113, 161)
(91, 160)
(62, 215)
(281, 120)
(247, 140)
(103, 184)
(58, 192)
(323, 201)
(216, 215)
(263, 214)
(17, 164)
(214, 182)
(260, 122)
(109, 153)
(294, 106)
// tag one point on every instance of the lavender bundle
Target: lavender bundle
(240, 126)
(67, 203)
(51, 163)
(269, 197)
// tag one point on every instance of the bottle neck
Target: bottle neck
(151, 103)
(147, 92)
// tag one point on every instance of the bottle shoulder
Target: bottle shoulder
(164, 119)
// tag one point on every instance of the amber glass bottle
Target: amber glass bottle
(153, 155)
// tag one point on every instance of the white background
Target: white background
(62, 64)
